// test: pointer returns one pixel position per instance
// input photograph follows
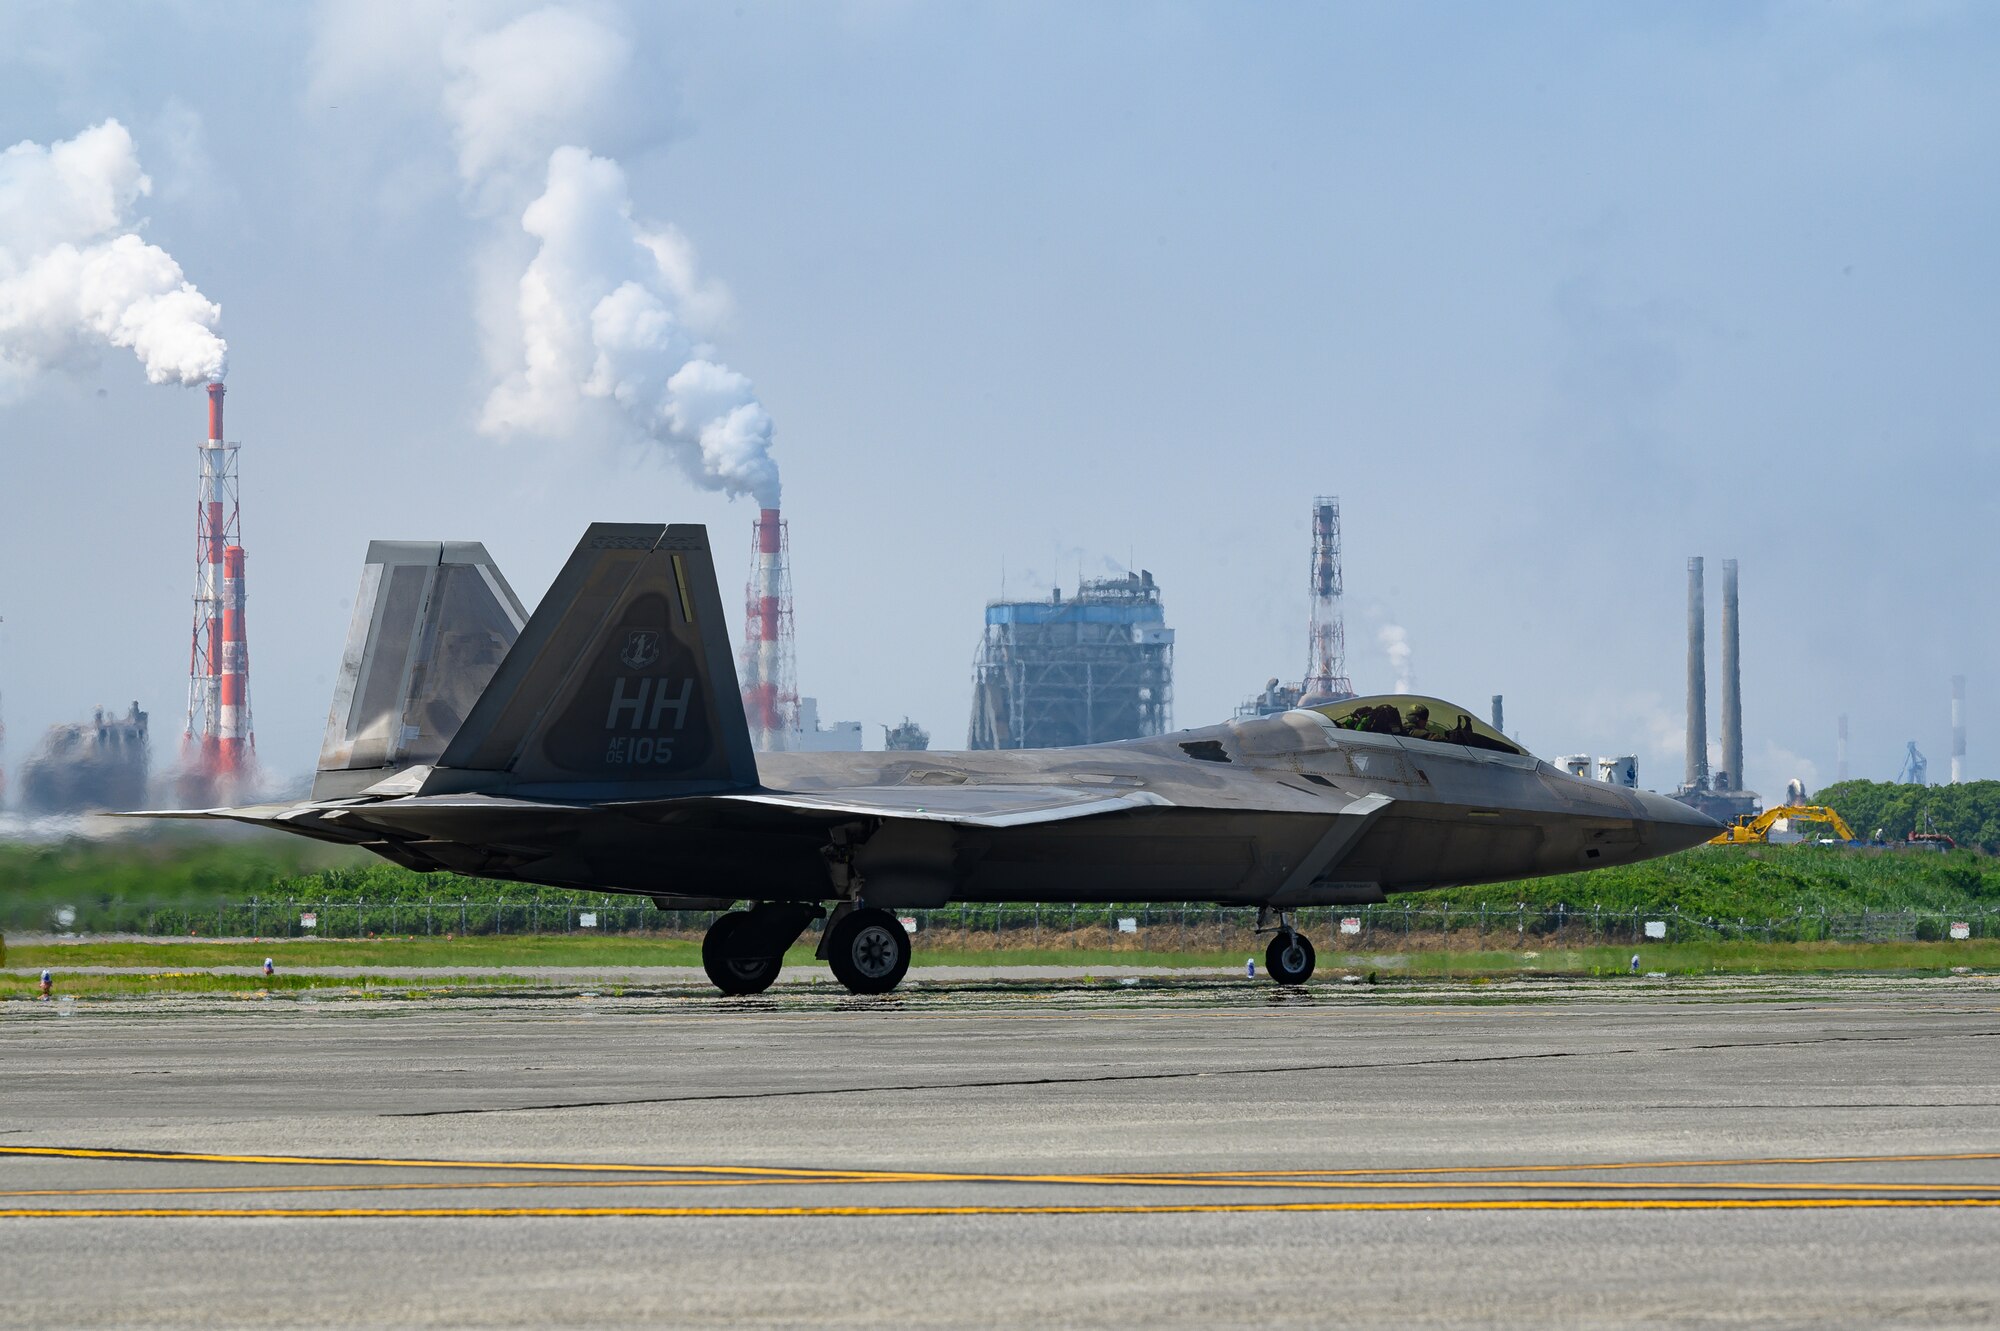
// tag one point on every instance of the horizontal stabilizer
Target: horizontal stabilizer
(452, 816)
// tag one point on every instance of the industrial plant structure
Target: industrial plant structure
(96, 764)
(1275, 698)
(1916, 769)
(1620, 770)
(1096, 667)
(816, 736)
(219, 744)
(905, 737)
(1721, 795)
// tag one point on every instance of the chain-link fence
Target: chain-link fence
(1381, 928)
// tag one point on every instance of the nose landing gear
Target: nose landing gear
(1289, 958)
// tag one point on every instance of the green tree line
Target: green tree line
(1969, 813)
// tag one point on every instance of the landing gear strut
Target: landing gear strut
(868, 950)
(1289, 958)
(744, 949)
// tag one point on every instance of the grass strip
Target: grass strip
(184, 968)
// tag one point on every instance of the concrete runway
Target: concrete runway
(1785, 1153)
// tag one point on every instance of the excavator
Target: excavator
(1755, 829)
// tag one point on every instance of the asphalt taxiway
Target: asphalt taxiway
(1187, 1151)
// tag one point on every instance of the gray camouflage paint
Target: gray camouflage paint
(610, 752)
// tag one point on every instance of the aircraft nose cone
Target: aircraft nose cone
(1672, 825)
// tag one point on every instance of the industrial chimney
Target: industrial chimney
(1840, 751)
(770, 692)
(219, 744)
(1731, 775)
(1499, 715)
(1696, 776)
(1957, 729)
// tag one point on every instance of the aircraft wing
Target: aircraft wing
(477, 816)
(249, 813)
(966, 806)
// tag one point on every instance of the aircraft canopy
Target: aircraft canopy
(1415, 717)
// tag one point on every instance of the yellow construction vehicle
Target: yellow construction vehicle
(1755, 829)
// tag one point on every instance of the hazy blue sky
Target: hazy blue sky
(1553, 296)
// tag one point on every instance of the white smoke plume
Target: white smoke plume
(554, 76)
(587, 311)
(1395, 642)
(75, 275)
(607, 311)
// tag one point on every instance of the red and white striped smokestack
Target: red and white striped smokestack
(770, 698)
(233, 715)
(769, 588)
(215, 540)
(218, 744)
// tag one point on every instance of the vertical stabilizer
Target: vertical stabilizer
(622, 683)
(432, 622)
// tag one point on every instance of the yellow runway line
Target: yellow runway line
(697, 1174)
(820, 1212)
(267, 1189)
(1944, 1157)
(585, 1167)
(1051, 1180)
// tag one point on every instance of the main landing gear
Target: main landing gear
(1289, 958)
(744, 949)
(868, 950)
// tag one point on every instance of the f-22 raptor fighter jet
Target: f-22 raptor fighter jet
(601, 743)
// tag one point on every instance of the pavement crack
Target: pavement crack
(1185, 1074)
(1833, 1104)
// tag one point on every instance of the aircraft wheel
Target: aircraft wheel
(869, 951)
(729, 967)
(1290, 958)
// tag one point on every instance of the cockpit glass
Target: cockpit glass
(1412, 717)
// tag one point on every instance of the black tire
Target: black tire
(869, 951)
(728, 968)
(1290, 957)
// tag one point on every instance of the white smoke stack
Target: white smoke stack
(1732, 683)
(1957, 729)
(75, 276)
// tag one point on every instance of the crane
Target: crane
(1755, 829)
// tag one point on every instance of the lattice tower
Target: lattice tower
(1326, 656)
